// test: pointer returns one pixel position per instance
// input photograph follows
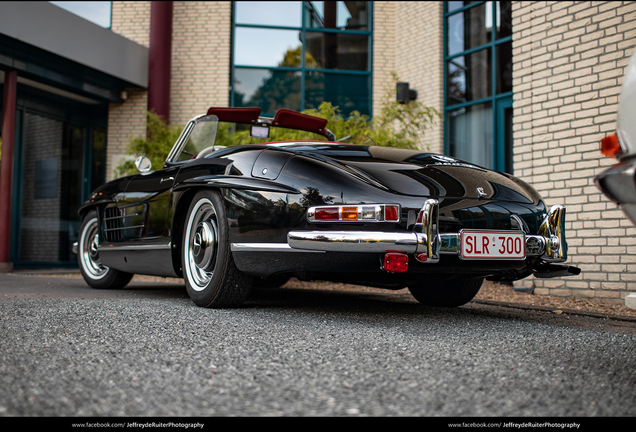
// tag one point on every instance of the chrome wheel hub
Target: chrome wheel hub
(204, 245)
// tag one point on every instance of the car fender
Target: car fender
(224, 181)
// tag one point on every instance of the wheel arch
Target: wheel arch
(181, 206)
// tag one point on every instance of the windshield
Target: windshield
(201, 139)
(233, 134)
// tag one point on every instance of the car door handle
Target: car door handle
(167, 179)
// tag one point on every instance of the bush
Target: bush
(160, 139)
(397, 125)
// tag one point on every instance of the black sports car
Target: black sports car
(229, 219)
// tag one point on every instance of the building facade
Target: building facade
(528, 88)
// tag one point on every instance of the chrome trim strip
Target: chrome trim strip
(268, 247)
(120, 217)
(143, 247)
(124, 228)
(369, 242)
(355, 241)
(182, 138)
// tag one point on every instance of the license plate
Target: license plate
(477, 244)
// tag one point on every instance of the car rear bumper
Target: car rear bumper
(550, 244)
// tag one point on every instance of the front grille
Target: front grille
(113, 223)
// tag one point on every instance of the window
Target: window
(298, 54)
(478, 82)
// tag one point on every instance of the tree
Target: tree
(397, 125)
(160, 139)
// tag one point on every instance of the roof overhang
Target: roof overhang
(62, 33)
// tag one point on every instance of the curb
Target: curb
(552, 309)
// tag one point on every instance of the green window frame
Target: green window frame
(349, 89)
(492, 96)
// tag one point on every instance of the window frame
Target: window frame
(494, 98)
(303, 69)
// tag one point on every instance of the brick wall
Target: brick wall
(200, 58)
(383, 50)
(408, 40)
(568, 62)
(130, 19)
(200, 70)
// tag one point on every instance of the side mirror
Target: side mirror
(143, 164)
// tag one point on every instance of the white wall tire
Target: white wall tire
(94, 272)
(211, 277)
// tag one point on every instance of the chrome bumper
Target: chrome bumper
(549, 244)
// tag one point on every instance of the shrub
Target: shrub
(397, 125)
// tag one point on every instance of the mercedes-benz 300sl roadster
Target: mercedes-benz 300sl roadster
(227, 219)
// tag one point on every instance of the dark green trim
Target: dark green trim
(495, 99)
(304, 28)
(503, 160)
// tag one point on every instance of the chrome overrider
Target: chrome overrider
(427, 243)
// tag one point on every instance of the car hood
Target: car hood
(417, 173)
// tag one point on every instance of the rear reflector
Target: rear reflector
(610, 146)
(395, 262)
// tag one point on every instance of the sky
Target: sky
(97, 12)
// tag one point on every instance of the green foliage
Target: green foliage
(397, 125)
(160, 139)
(403, 125)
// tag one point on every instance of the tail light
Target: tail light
(610, 146)
(355, 213)
(395, 262)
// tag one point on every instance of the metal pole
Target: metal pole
(160, 52)
(6, 167)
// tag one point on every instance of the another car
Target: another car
(618, 182)
(254, 215)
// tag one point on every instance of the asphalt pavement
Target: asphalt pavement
(148, 351)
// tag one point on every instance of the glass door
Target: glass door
(51, 189)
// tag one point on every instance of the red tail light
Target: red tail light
(391, 213)
(327, 214)
(395, 262)
(355, 213)
(610, 146)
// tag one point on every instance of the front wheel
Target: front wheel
(211, 277)
(446, 292)
(94, 272)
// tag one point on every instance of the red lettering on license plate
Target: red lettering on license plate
(492, 245)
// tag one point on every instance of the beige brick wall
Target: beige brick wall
(200, 58)
(568, 62)
(130, 19)
(200, 70)
(408, 40)
(384, 14)
(420, 59)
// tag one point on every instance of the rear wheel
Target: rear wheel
(446, 292)
(211, 277)
(94, 272)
